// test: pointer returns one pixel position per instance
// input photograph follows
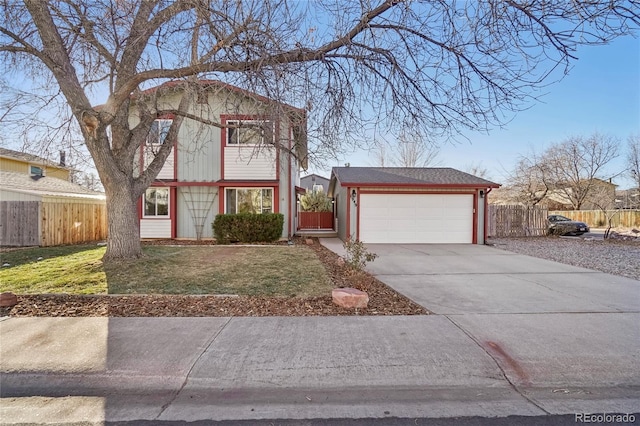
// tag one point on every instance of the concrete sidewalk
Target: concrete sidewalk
(512, 335)
(188, 369)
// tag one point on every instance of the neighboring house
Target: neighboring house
(32, 165)
(601, 196)
(314, 182)
(39, 206)
(410, 205)
(253, 165)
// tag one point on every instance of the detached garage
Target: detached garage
(409, 205)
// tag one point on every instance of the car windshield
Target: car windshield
(561, 219)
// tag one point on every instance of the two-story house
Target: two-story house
(249, 163)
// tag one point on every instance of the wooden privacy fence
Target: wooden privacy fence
(598, 218)
(315, 220)
(28, 223)
(19, 223)
(516, 221)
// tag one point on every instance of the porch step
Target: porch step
(320, 233)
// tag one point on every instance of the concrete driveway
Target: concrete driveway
(552, 328)
(472, 279)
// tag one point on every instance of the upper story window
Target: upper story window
(158, 132)
(318, 187)
(156, 202)
(249, 132)
(36, 171)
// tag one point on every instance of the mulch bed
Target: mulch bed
(382, 299)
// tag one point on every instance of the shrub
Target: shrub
(248, 227)
(357, 255)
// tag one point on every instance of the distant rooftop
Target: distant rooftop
(45, 185)
(29, 158)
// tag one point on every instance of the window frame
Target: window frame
(236, 198)
(158, 142)
(40, 169)
(156, 215)
(240, 123)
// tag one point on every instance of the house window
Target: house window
(36, 171)
(250, 200)
(156, 202)
(250, 132)
(318, 188)
(158, 132)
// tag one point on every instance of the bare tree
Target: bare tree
(414, 150)
(530, 181)
(576, 164)
(444, 65)
(633, 159)
(477, 169)
(409, 150)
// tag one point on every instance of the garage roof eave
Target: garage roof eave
(418, 185)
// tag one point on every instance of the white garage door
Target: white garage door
(416, 218)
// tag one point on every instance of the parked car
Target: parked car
(561, 225)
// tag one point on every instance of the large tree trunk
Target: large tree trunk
(124, 228)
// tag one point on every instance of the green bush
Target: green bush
(248, 227)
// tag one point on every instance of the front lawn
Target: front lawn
(252, 271)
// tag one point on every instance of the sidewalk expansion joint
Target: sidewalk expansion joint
(500, 367)
(186, 377)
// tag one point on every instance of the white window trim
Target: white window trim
(42, 173)
(226, 197)
(241, 123)
(156, 216)
(160, 121)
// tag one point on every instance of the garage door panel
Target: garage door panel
(416, 218)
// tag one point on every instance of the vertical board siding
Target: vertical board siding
(516, 221)
(599, 219)
(72, 223)
(19, 223)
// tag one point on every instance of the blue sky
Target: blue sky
(601, 94)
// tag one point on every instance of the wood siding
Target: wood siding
(19, 166)
(244, 163)
(155, 228)
(167, 168)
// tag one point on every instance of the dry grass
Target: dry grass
(259, 270)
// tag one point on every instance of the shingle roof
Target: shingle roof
(30, 158)
(412, 176)
(45, 185)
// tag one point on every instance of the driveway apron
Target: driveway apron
(566, 337)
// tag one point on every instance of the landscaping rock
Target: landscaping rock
(309, 241)
(350, 298)
(8, 299)
(340, 261)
